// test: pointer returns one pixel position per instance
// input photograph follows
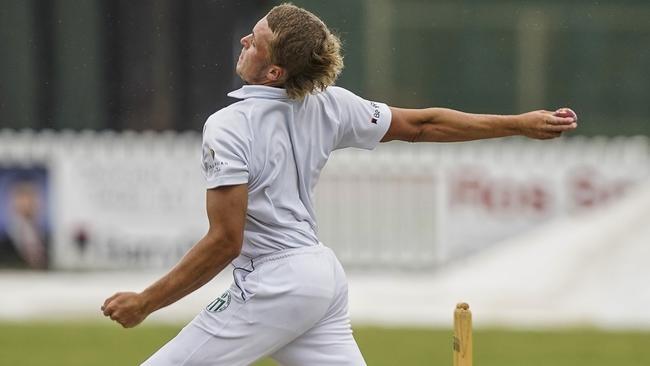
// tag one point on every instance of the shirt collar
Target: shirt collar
(258, 91)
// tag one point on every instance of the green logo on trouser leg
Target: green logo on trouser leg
(220, 304)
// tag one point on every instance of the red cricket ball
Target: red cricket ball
(566, 112)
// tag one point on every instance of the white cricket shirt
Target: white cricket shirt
(278, 147)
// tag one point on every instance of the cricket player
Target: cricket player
(261, 159)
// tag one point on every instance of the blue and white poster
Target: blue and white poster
(24, 217)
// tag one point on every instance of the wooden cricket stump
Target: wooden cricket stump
(462, 335)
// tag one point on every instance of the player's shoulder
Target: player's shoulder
(342, 100)
(230, 116)
(339, 97)
(338, 92)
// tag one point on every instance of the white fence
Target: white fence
(136, 200)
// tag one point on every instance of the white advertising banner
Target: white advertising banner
(506, 189)
(136, 200)
(128, 201)
(422, 205)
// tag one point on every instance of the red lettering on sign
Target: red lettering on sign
(589, 188)
(473, 187)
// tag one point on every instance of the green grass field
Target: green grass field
(92, 344)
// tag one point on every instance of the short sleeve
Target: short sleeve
(226, 151)
(363, 123)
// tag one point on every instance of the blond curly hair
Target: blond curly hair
(305, 48)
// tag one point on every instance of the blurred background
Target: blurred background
(102, 103)
(166, 64)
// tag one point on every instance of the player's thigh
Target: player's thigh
(237, 329)
(194, 346)
(328, 343)
(228, 332)
(321, 348)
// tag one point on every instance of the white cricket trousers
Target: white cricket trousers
(291, 305)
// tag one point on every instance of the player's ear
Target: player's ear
(275, 73)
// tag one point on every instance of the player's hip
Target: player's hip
(308, 271)
(292, 290)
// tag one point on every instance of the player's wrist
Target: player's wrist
(514, 124)
(504, 125)
(146, 302)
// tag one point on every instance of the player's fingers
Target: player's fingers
(547, 135)
(127, 323)
(107, 301)
(116, 315)
(109, 310)
(555, 120)
(105, 307)
(561, 128)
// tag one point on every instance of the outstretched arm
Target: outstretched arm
(226, 208)
(448, 125)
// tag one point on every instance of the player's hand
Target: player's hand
(546, 124)
(126, 308)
